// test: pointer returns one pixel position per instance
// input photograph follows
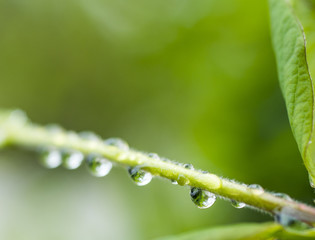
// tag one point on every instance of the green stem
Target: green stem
(16, 130)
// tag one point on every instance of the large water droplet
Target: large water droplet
(256, 189)
(117, 142)
(98, 165)
(51, 158)
(202, 199)
(139, 176)
(237, 204)
(72, 159)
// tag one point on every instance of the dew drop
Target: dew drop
(89, 135)
(237, 204)
(139, 176)
(18, 117)
(282, 195)
(72, 136)
(51, 158)
(165, 159)
(154, 156)
(203, 199)
(174, 182)
(188, 166)
(256, 189)
(72, 160)
(117, 142)
(284, 219)
(287, 218)
(54, 128)
(311, 181)
(98, 165)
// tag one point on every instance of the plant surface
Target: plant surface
(293, 39)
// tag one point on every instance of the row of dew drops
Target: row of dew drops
(100, 166)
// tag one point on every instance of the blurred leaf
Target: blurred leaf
(295, 78)
(234, 232)
(288, 234)
(246, 231)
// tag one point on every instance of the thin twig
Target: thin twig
(17, 130)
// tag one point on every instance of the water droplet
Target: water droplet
(98, 165)
(72, 160)
(139, 176)
(311, 181)
(117, 142)
(89, 135)
(237, 204)
(202, 199)
(18, 117)
(154, 156)
(174, 182)
(256, 189)
(282, 195)
(165, 159)
(182, 180)
(284, 219)
(51, 158)
(287, 218)
(188, 166)
(72, 136)
(54, 128)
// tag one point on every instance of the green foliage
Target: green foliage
(192, 80)
(246, 231)
(296, 82)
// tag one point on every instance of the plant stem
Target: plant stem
(15, 129)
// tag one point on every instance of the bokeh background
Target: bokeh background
(194, 81)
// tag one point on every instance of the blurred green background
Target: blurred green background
(194, 81)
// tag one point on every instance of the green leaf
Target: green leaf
(291, 234)
(292, 57)
(246, 231)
